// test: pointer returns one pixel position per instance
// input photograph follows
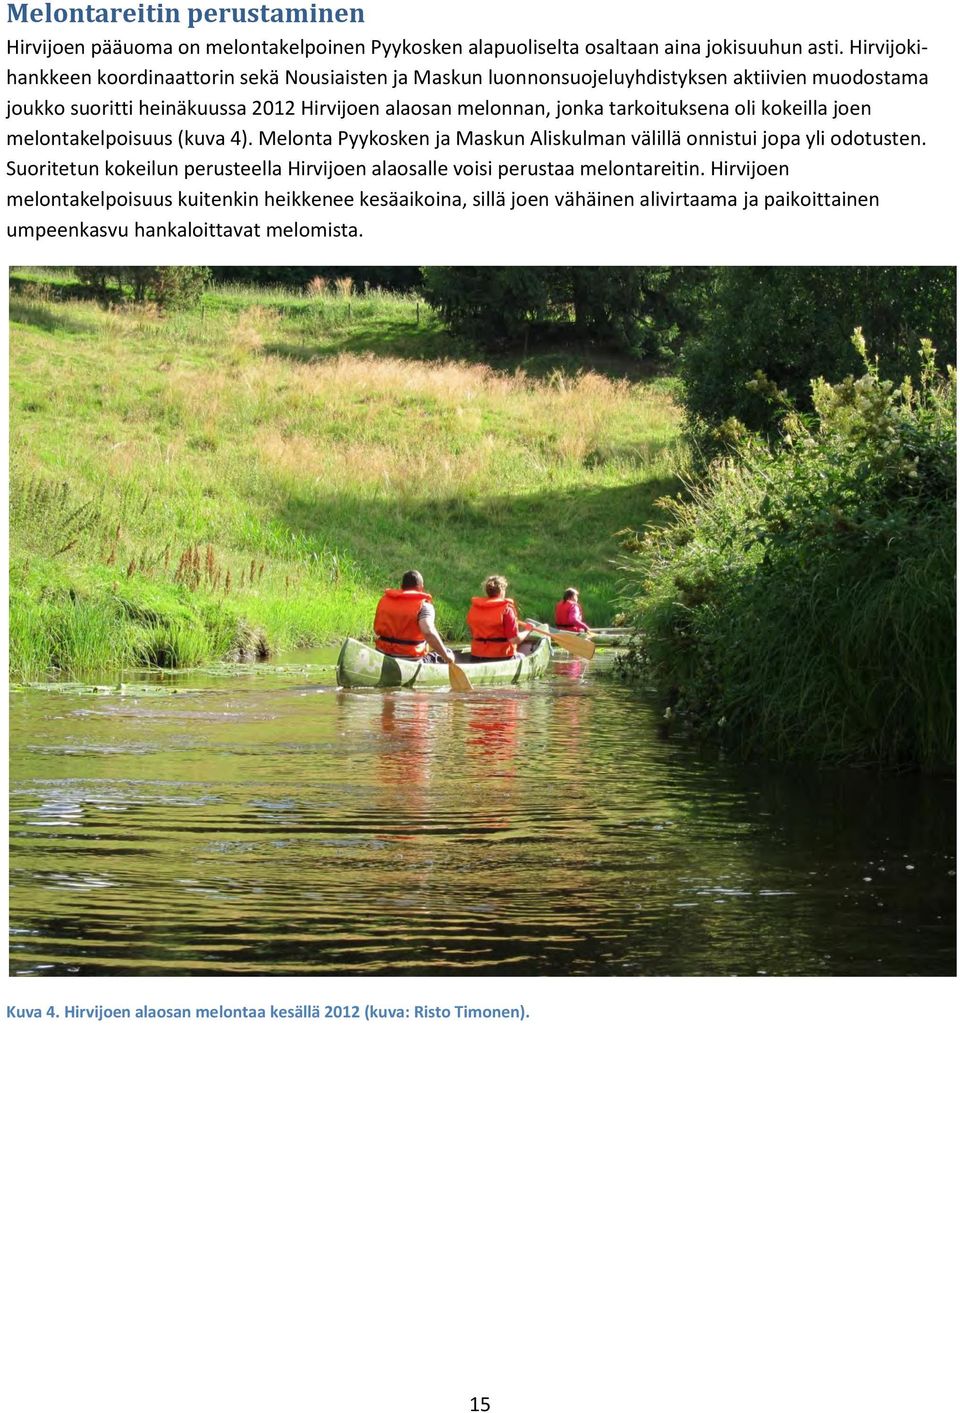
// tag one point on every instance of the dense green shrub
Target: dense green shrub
(168, 286)
(794, 322)
(800, 601)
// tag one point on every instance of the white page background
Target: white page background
(675, 1195)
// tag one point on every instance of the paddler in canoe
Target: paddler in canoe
(404, 624)
(567, 613)
(504, 650)
(494, 622)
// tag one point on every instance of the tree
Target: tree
(636, 309)
(793, 323)
(168, 286)
(493, 304)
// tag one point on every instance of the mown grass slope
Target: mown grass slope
(250, 475)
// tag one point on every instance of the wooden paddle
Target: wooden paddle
(459, 681)
(574, 643)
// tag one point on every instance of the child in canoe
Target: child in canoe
(494, 622)
(567, 613)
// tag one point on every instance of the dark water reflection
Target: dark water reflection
(267, 825)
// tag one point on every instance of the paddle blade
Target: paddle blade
(574, 643)
(459, 681)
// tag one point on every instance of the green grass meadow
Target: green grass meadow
(250, 475)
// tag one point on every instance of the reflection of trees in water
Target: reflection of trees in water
(799, 871)
(548, 830)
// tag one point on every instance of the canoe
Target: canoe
(609, 637)
(360, 665)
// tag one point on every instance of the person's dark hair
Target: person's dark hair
(570, 594)
(412, 580)
(495, 587)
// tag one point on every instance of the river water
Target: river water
(266, 823)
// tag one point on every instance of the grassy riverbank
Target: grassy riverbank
(249, 475)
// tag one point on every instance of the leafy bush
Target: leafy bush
(801, 600)
(167, 286)
(794, 322)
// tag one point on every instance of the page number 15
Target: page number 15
(480, 1405)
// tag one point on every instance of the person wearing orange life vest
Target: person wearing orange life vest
(493, 621)
(567, 612)
(404, 624)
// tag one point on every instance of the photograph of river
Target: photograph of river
(745, 766)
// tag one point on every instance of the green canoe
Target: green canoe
(360, 665)
(610, 637)
(601, 638)
(606, 637)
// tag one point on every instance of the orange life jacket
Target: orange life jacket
(395, 623)
(485, 621)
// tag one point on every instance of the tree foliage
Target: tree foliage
(794, 323)
(168, 286)
(640, 310)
